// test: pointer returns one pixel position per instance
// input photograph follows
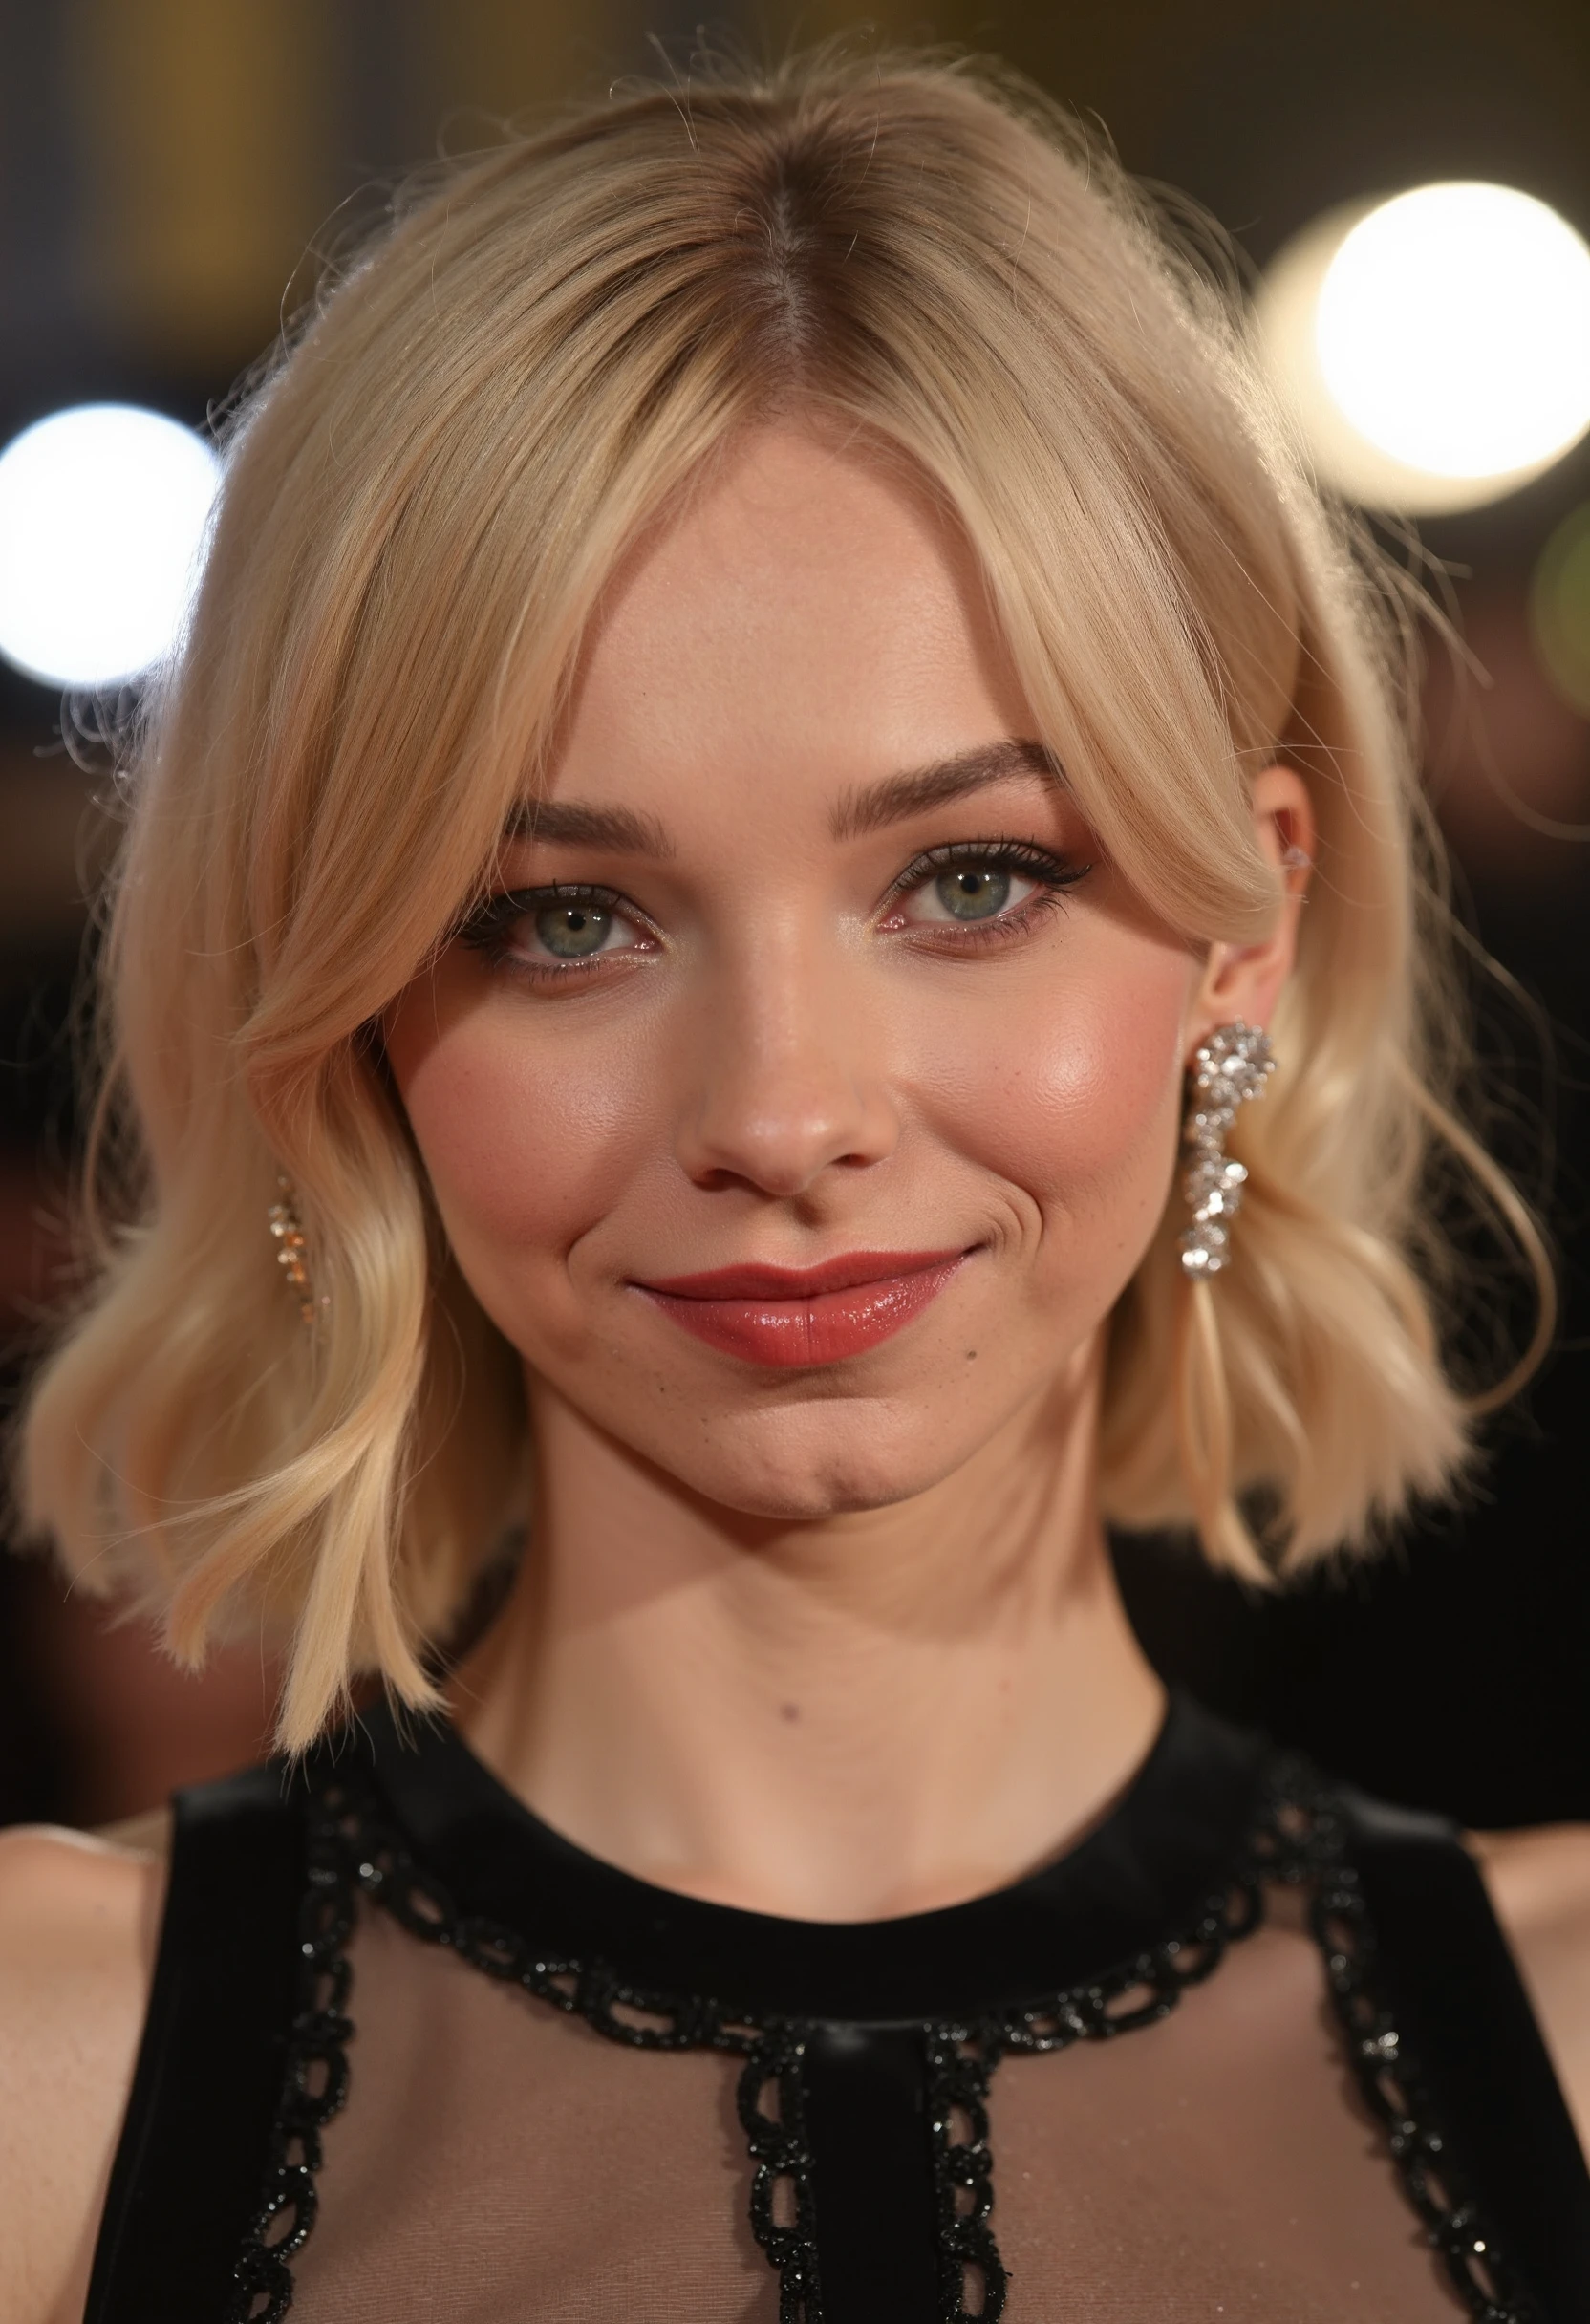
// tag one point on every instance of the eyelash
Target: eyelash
(486, 929)
(1050, 873)
(489, 927)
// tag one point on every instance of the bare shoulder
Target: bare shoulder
(1540, 1885)
(78, 1924)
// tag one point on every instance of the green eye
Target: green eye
(975, 892)
(572, 931)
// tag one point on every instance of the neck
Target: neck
(833, 1719)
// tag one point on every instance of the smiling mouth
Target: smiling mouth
(790, 1317)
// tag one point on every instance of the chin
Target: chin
(814, 1463)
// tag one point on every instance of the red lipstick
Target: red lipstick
(794, 1316)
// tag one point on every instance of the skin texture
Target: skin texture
(79, 1919)
(837, 1642)
(758, 1590)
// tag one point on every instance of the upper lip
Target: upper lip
(844, 1273)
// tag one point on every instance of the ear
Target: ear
(1245, 980)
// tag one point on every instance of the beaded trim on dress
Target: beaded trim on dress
(1298, 1838)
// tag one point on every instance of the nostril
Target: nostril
(780, 1150)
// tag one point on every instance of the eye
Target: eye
(971, 891)
(994, 887)
(554, 932)
(574, 932)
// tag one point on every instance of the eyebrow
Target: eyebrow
(901, 796)
(565, 822)
(622, 831)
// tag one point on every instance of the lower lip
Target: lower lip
(791, 1334)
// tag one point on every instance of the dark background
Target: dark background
(168, 166)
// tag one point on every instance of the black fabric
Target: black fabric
(864, 2091)
(1149, 1866)
(191, 2164)
(1456, 1997)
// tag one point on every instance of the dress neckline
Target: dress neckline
(1172, 1843)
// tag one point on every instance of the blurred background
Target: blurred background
(169, 168)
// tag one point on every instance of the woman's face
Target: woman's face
(810, 1093)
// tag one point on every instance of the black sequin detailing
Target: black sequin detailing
(960, 2066)
(1298, 1836)
(783, 2158)
(1386, 2075)
(315, 2082)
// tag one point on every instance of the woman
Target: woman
(768, 721)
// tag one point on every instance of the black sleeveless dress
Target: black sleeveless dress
(1255, 2049)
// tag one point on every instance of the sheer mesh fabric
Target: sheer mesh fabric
(498, 2162)
(1218, 2165)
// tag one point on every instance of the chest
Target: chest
(498, 2161)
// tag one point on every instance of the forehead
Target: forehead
(806, 617)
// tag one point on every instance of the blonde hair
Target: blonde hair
(421, 506)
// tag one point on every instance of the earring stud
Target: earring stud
(1229, 1068)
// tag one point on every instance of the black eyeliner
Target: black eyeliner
(1024, 855)
(485, 924)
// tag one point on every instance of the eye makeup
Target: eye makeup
(971, 892)
(957, 898)
(572, 922)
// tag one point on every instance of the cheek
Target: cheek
(528, 1142)
(1073, 1100)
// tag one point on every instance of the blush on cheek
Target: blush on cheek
(1072, 1100)
(526, 1153)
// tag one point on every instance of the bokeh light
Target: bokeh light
(1559, 609)
(103, 511)
(1435, 346)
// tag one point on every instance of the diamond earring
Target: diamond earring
(1230, 1068)
(292, 1245)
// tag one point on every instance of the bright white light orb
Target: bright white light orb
(1454, 330)
(103, 514)
(1436, 346)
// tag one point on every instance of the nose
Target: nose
(789, 1079)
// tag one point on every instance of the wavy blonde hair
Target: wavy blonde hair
(421, 504)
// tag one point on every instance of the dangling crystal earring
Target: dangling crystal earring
(1231, 1066)
(290, 1247)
